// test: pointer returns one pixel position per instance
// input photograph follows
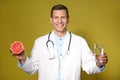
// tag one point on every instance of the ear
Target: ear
(68, 19)
(51, 19)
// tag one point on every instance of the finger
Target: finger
(101, 62)
(104, 61)
(105, 58)
(11, 52)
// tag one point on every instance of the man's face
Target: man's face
(59, 20)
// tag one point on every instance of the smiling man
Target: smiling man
(60, 54)
(59, 20)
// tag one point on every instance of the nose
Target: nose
(60, 20)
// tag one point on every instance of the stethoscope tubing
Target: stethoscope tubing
(50, 41)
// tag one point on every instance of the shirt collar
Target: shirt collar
(60, 38)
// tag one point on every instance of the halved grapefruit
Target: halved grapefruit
(16, 47)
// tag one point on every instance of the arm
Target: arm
(29, 65)
(90, 62)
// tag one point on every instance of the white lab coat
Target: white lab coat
(80, 56)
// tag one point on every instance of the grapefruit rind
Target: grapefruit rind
(16, 47)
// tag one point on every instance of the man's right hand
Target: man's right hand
(21, 56)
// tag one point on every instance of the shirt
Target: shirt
(59, 43)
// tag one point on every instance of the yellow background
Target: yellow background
(98, 21)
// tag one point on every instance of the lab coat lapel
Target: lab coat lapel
(52, 38)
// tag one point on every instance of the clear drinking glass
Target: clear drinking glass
(99, 49)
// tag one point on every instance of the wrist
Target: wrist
(22, 60)
(99, 64)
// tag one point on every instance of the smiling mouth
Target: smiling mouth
(60, 25)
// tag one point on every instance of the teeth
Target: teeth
(59, 25)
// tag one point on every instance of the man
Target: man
(60, 54)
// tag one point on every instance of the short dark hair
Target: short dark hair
(59, 7)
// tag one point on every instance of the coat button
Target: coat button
(60, 54)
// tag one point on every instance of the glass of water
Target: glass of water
(99, 49)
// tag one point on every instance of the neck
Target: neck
(60, 34)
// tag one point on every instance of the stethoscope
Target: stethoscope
(51, 42)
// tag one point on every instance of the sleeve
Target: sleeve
(31, 64)
(88, 60)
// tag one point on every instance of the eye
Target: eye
(64, 17)
(55, 17)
